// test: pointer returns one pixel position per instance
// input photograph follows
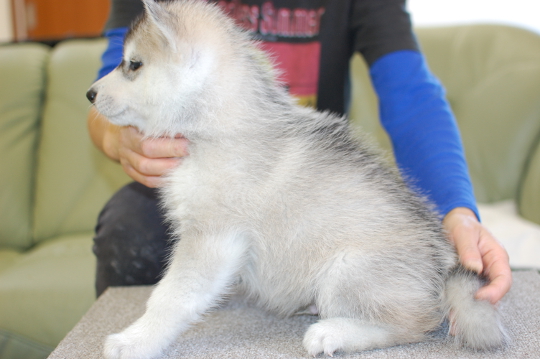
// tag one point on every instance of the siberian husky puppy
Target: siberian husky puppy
(282, 201)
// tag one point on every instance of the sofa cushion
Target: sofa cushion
(74, 180)
(7, 258)
(492, 77)
(22, 78)
(46, 290)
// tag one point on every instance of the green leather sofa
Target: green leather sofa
(53, 182)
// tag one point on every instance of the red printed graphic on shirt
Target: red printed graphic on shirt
(295, 51)
(299, 64)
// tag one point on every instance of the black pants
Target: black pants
(131, 242)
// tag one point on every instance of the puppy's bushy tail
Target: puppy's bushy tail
(475, 323)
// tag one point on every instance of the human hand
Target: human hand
(143, 159)
(479, 251)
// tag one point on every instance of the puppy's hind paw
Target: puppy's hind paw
(321, 339)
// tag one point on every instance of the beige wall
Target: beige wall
(6, 33)
(523, 13)
(424, 12)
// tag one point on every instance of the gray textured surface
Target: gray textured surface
(241, 331)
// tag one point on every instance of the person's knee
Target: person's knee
(131, 242)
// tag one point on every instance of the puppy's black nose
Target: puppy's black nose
(91, 95)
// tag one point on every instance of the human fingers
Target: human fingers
(463, 231)
(162, 147)
(146, 170)
(480, 251)
(148, 181)
(497, 269)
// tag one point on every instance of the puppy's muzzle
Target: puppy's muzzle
(91, 95)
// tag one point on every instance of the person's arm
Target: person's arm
(425, 137)
(428, 149)
(424, 133)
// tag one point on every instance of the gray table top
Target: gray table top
(239, 330)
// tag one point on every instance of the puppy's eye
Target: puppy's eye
(135, 65)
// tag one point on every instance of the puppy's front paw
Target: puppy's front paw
(127, 346)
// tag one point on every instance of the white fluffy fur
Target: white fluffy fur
(284, 201)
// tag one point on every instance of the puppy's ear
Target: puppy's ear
(163, 20)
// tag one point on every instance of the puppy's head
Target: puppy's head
(169, 70)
